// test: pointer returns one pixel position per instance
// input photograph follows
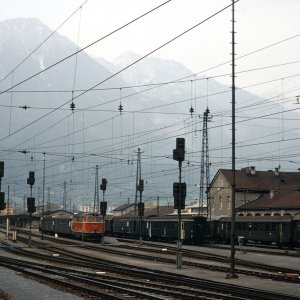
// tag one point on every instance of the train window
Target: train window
(255, 226)
(90, 219)
(260, 227)
(79, 219)
(267, 226)
(239, 226)
(250, 226)
(98, 219)
(274, 226)
(244, 226)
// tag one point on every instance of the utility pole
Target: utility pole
(232, 273)
(140, 188)
(65, 197)
(43, 207)
(96, 194)
(7, 213)
(204, 167)
(48, 201)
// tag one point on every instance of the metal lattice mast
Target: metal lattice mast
(65, 196)
(138, 178)
(204, 167)
(96, 194)
(48, 200)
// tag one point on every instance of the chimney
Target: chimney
(272, 194)
(276, 171)
(252, 170)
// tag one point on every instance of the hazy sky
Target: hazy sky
(259, 24)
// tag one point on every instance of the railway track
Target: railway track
(148, 283)
(219, 263)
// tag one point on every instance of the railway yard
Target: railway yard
(58, 268)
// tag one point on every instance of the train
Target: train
(194, 230)
(89, 227)
(276, 230)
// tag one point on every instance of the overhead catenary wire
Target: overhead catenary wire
(43, 42)
(116, 73)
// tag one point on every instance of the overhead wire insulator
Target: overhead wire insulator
(120, 108)
(191, 110)
(72, 106)
(24, 107)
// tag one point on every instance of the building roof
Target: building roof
(261, 181)
(284, 198)
(163, 210)
(123, 207)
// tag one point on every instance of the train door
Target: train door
(149, 228)
(280, 233)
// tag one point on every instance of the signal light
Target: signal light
(140, 185)
(179, 199)
(1, 169)
(141, 209)
(31, 179)
(103, 185)
(31, 205)
(2, 204)
(178, 153)
(103, 208)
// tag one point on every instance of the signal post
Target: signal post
(103, 205)
(30, 203)
(2, 194)
(179, 193)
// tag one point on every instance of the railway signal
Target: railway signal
(178, 153)
(140, 185)
(178, 189)
(103, 185)
(30, 202)
(31, 205)
(31, 179)
(2, 204)
(179, 194)
(103, 208)
(141, 209)
(1, 169)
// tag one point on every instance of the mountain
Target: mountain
(156, 96)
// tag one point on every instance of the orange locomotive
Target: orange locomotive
(87, 224)
(81, 226)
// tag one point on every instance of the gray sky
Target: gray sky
(259, 24)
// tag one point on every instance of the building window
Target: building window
(228, 202)
(212, 204)
(220, 202)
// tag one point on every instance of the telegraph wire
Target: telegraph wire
(42, 43)
(84, 48)
(118, 72)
